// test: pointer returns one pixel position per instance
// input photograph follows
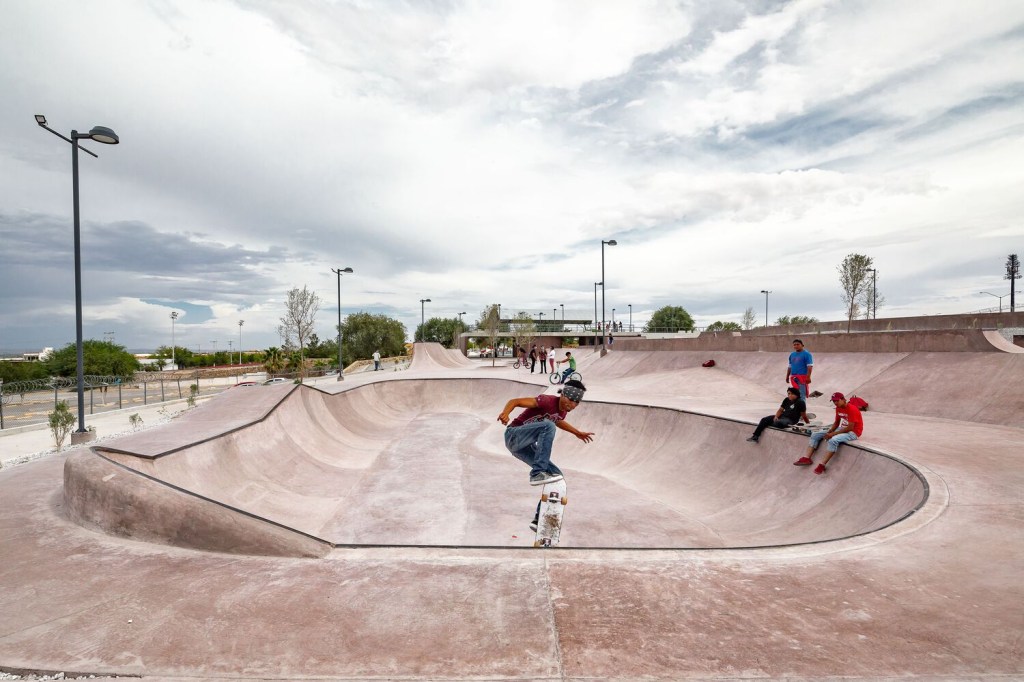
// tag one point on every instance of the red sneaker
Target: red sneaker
(804, 462)
(820, 469)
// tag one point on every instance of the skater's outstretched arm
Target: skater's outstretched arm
(526, 403)
(584, 436)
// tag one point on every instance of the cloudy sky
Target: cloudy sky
(478, 152)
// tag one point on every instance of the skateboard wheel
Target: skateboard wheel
(565, 500)
(544, 497)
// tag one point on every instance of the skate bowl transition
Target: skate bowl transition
(420, 462)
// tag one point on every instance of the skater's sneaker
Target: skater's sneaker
(751, 440)
(820, 469)
(545, 477)
(805, 462)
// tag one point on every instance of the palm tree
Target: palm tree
(273, 360)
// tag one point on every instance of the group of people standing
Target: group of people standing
(544, 355)
(847, 426)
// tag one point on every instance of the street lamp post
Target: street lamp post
(562, 306)
(630, 317)
(874, 293)
(596, 323)
(423, 319)
(999, 297)
(765, 292)
(240, 322)
(104, 136)
(347, 271)
(604, 331)
(174, 316)
(613, 319)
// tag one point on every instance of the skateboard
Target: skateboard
(549, 519)
(808, 428)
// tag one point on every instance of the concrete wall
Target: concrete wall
(943, 340)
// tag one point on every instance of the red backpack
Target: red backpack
(859, 403)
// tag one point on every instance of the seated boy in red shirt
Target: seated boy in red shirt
(848, 426)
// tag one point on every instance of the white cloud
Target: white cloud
(473, 152)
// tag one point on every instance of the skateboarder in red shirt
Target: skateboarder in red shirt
(530, 435)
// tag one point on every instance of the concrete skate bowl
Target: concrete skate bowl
(421, 463)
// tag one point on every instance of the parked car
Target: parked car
(275, 380)
(246, 384)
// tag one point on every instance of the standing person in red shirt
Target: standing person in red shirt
(848, 426)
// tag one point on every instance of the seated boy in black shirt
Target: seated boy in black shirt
(792, 410)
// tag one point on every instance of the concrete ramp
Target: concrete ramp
(434, 356)
(421, 462)
(914, 383)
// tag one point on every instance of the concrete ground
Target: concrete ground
(375, 529)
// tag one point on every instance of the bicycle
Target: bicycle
(556, 377)
(520, 363)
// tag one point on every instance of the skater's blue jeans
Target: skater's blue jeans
(834, 442)
(566, 374)
(531, 443)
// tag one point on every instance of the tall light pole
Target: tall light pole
(347, 271)
(231, 352)
(104, 136)
(240, 322)
(630, 316)
(423, 319)
(874, 292)
(765, 292)
(596, 285)
(174, 316)
(562, 306)
(613, 319)
(604, 331)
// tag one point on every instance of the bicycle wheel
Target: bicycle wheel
(575, 376)
(515, 365)
(554, 377)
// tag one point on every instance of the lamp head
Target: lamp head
(40, 119)
(103, 135)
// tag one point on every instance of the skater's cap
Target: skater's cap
(837, 396)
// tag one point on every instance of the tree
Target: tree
(442, 330)
(786, 320)
(522, 330)
(61, 422)
(670, 318)
(363, 333)
(719, 326)
(854, 279)
(1012, 274)
(23, 371)
(749, 319)
(273, 360)
(298, 320)
(98, 358)
(490, 322)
